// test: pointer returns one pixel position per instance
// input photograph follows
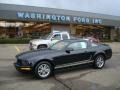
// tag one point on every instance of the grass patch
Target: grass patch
(15, 41)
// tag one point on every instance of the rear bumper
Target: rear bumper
(108, 54)
(22, 68)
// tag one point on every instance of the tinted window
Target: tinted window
(94, 44)
(78, 45)
(60, 45)
(64, 36)
(56, 37)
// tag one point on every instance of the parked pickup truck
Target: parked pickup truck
(48, 40)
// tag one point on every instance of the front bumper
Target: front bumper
(32, 47)
(22, 68)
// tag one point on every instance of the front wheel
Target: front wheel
(99, 62)
(43, 70)
(42, 47)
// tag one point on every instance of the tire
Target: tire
(43, 70)
(99, 61)
(42, 47)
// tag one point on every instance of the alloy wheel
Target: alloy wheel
(43, 70)
(99, 62)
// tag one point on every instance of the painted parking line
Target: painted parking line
(18, 50)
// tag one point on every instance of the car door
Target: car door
(55, 38)
(78, 53)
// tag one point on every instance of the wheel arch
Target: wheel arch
(100, 53)
(44, 60)
(41, 45)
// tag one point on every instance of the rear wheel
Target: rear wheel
(43, 70)
(99, 62)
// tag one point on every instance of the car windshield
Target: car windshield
(60, 45)
(48, 36)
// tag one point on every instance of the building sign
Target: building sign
(58, 18)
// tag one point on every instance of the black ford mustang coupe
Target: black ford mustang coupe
(63, 54)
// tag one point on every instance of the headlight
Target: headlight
(31, 44)
(34, 45)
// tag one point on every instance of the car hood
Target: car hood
(38, 40)
(35, 53)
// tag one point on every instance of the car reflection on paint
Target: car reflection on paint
(63, 54)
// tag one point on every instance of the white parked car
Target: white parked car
(48, 40)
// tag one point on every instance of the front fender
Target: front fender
(41, 60)
(37, 59)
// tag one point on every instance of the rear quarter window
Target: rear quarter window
(94, 45)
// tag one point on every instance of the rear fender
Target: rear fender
(99, 53)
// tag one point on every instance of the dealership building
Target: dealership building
(30, 21)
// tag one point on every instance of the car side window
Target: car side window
(78, 45)
(56, 37)
(64, 36)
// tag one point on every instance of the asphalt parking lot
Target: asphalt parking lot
(85, 78)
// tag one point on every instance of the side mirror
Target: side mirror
(68, 50)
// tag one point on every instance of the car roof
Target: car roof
(60, 32)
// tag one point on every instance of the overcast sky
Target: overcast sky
(111, 7)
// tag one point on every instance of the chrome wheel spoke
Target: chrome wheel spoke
(43, 70)
(47, 70)
(39, 71)
(100, 61)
